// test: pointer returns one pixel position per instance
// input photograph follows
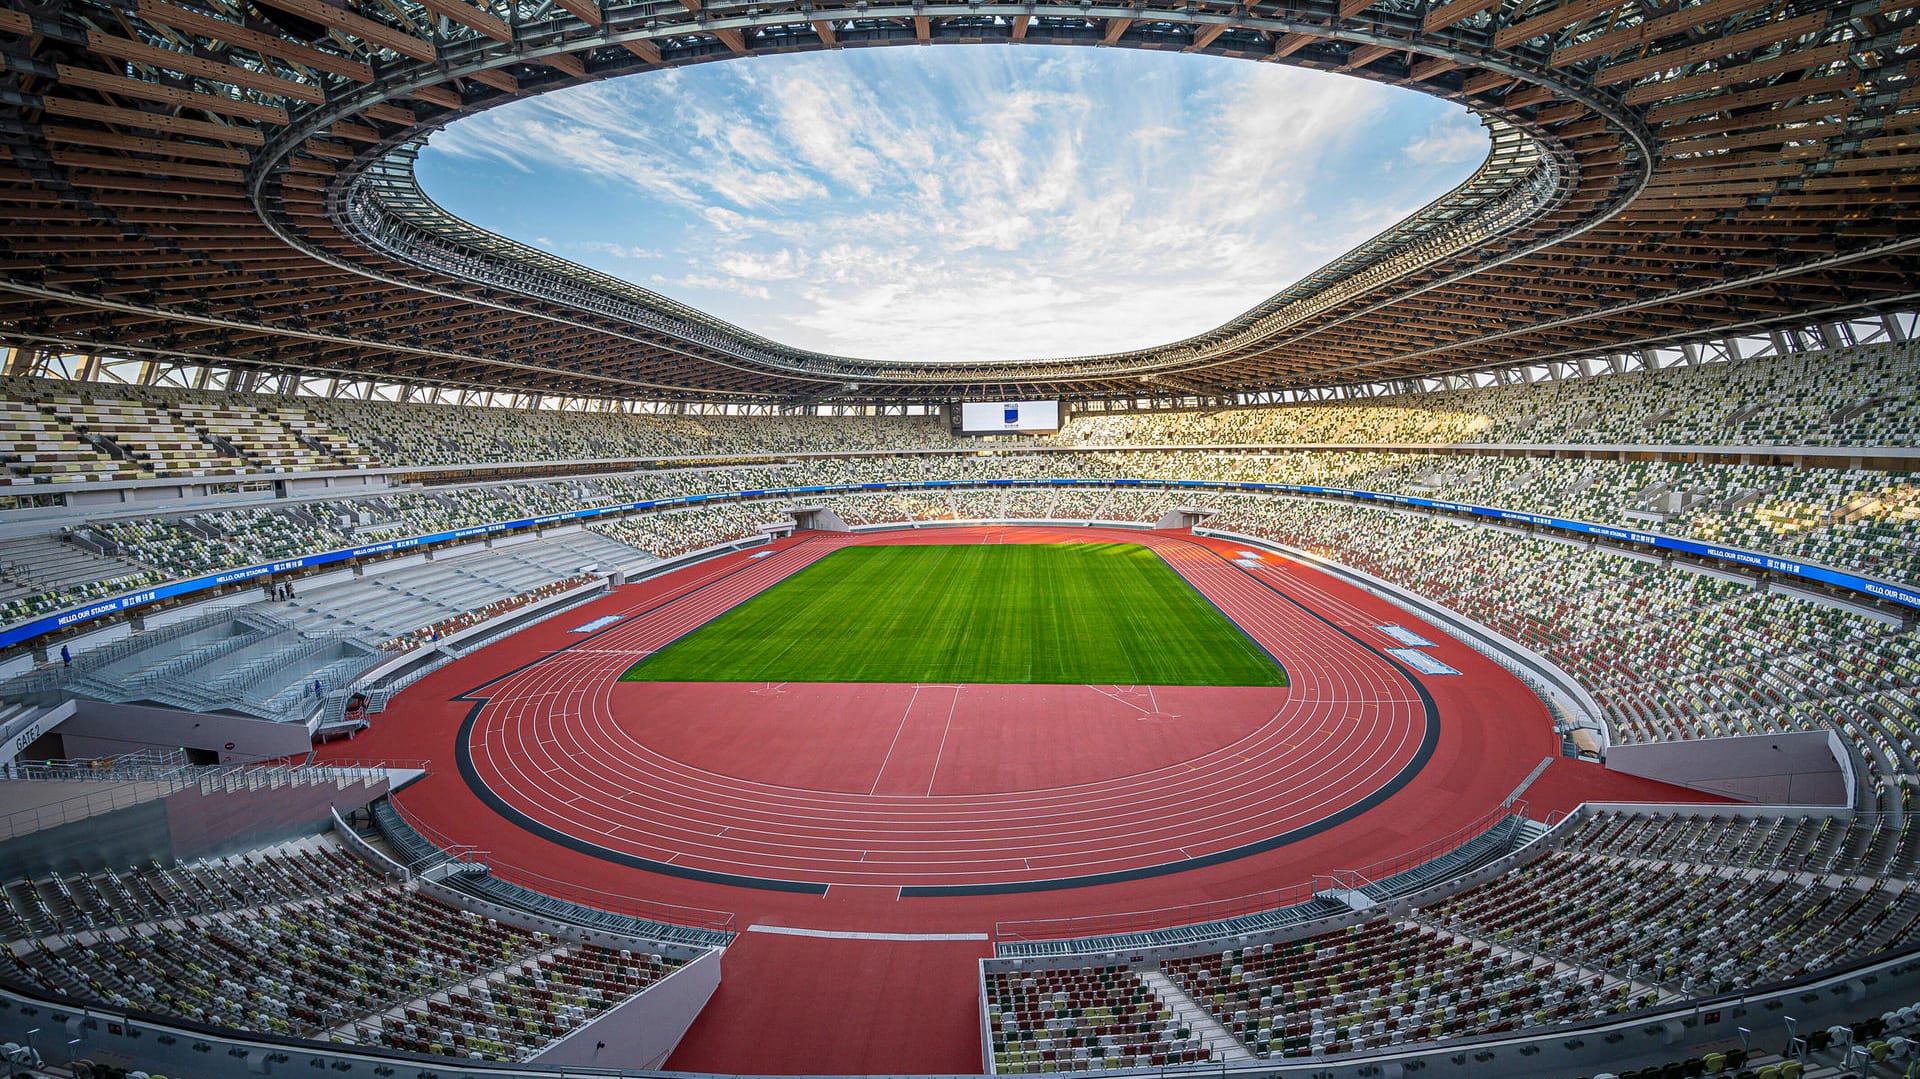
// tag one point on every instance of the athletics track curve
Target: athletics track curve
(552, 746)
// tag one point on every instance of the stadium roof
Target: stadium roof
(232, 181)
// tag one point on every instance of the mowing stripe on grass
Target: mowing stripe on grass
(1076, 613)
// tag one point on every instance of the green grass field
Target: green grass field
(1080, 613)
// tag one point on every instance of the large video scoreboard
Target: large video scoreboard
(1007, 417)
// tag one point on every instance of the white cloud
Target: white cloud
(1450, 140)
(964, 204)
(613, 250)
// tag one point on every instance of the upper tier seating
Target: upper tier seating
(1864, 396)
(1864, 521)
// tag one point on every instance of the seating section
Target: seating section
(515, 1013)
(36, 446)
(1858, 520)
(303, 941)
(1629, 910)
(1695, 926)
(41, 574)
(474, 616)
(61, 905)
(423, 434)
(161, 443)
(1863, 396)
(1087, 1018)
(1666, 653)
(249, 662)
(1383, 983)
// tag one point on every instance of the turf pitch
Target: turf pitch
(1076, 613)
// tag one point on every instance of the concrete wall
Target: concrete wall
(99, 729)
(183, 825)
(1796, 768)
(643, 1032)
(200, 825)
(134, 835)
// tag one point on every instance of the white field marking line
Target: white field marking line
(904, 716)
(843, 934)
(1118, 700)
(944, 731)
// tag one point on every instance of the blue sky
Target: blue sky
(958, 203)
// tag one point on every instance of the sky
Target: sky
(958, 203)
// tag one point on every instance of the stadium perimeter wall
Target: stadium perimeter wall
(645, 1028)
(1787, 768)
(102, 729)
(187, 824)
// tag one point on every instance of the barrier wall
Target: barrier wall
(189, 823)
(102, 729)
(1789, 768)
(644, 1031)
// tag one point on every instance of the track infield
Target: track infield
(1048, 614)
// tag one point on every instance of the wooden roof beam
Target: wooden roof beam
(645, 50)
(151, 121)
(1285, 45)
(1363, 55)
(140, 89)
(193, 22)
(566, 63)
(437, 95)
(1205, 36)
(1701, 82)
(1459, 10)
(1639, 35)
(1712, 48)
(1571, 13)
(119, 48)
(358, 27)
(473, 18)
(585, 10)
(498, 79)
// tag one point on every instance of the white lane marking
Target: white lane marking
(840, 934)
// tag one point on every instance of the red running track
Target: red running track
(833, 1005)
(844, 784)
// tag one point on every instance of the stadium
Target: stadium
(1492, 652)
